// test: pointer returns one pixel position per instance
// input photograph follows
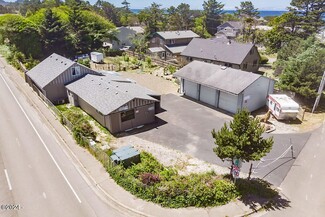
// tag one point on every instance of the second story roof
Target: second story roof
(218, 50)
(50, 68)
(178, 34)
(233, 24)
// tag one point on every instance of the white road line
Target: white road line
(40, 138)
(8, 180)
(18, 143)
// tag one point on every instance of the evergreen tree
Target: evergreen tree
(212, 11)
(180, 18)
(247, 9)
(53, 35)
(310, 14)
(79, 34)
(242, 139)
(153, 17)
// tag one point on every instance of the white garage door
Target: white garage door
(208, 95)
(228, 102)
(191, 89)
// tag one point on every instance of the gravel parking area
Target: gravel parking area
(152, 82)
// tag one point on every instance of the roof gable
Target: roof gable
(217, 50)
(49, 69)
(218, 77)
(108, 93)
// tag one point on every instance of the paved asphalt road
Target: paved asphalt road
(35, 171)
(186, 126)
(304, 184)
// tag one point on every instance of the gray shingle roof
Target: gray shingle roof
(234, 24)
(218, 77)
(50, 68)
(176, 49)
(217, 50)
(108, 93)
(177, 34)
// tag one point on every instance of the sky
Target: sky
(197, 4)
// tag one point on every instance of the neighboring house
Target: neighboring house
(170, 44)
(225, 88)
(223, 52)
(230, 29)
(51, 75)
(124, 37)
(116, 103)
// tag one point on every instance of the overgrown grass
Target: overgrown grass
(170, 189)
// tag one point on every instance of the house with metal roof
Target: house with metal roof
(224, 87)
(243, 56)
(116, 103)
(170, 44)
(50, 76)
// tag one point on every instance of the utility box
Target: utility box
(126, 155)
(96, 57)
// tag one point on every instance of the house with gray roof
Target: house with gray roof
(243, 56)
(230, 29)
(124, 36)
(224, 87)
(116, 103)
(50, 76)
(170, 44)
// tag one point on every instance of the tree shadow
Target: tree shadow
(257, 193)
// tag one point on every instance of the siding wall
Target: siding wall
(56, 91)
(249, 60)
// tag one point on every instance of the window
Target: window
(153, 40)
(251, 51)
(228, 64)
(245, 66)
(127, 115)
(172, 41)
(254, 63)
(75, 71)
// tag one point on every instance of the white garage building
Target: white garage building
(225, 88)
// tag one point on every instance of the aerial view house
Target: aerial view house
(51, 75)
(230, 29)
(170, 44)
(223, 52)
(223, 87)
(124, 37)
(116, 103)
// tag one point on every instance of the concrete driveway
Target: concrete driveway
(186, 126)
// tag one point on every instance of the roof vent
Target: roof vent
(61, 61)
(116, 85)
(223, 67)
(107, 88)
(126, 91)
(201, 50)
(56, 59)
(65, 64)
(116, 93)
(99, 84)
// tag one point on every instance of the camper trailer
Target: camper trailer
(282, 106)
(96, 57)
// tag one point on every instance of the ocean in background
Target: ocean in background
(262, 13)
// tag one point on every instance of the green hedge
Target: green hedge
(170, 189)
(264, 60)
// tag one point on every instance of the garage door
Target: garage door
(190, 89)
(208, 95)
(228, 102)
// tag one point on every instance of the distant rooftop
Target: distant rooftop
(178, 34)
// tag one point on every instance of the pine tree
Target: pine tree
(212, 11)
(242, 139)
(53, 35)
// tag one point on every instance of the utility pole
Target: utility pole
(319, 93)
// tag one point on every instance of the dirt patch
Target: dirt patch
(185, 164)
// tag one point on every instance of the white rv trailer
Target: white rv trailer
(96, 57)
(282, 106)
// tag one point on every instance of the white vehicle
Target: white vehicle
(96, 57)
(125, 48)
(282, 106)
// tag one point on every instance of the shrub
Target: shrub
(149, 178)
(264, 60)
(149, 61)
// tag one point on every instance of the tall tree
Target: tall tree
(124, 17)
(109, 11)
(79, 34)
(212, 11)
(247, 9)
(242, 139)
(53, 35)
(153, 17)
(200, 27)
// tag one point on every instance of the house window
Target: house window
(254, 63)
(127, 115)
(172, 41)
(251, 51)
(228, 64)
(153, 40)
(75, 71)
(245, 66)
